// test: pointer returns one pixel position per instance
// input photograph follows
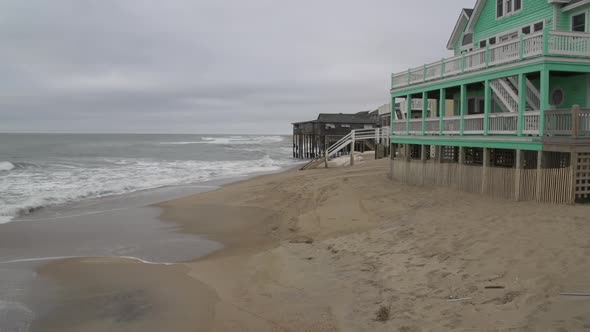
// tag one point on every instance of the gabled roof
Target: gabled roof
(345, 118)
(462, 22)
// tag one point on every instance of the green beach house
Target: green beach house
(519, 82)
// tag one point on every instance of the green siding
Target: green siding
(565, 19)
(532, 11)
(575, 88)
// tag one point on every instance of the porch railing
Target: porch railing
(573, 122)
(565, 122)
(561, 43)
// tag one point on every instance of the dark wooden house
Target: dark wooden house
(311, 138)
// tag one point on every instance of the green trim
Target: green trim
(522, 92)
(442, 109)
(480, 142)
(537, 67)
(463, 107)
(544, 100)
(408, 112)
(487, 107)
(424, 111)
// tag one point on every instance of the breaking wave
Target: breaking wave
(38, 187)
(6, 166)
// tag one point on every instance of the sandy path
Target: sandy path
(323, 250)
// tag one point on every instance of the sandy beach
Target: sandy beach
(326, 249)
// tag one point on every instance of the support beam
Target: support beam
(442, 109)
(408, 113)
(463, 103)
(518, 174)
(484, 170)
(544, 100)
(539, 185)
(424, 111)
(522, 93)
(461, 155)
(487, 107)
(352, 148)
(423, 156)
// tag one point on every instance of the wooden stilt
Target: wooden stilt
(484, 170)
(518, 174)
(540, 177)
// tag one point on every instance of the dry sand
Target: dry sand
(324, 250)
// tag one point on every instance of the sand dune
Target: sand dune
(324, 250)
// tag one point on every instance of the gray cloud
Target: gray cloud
(206, 66)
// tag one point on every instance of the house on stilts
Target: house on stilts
(519, 126)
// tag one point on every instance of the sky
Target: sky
(207, 66)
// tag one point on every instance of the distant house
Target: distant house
(310, 137)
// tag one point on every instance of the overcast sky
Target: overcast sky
(206, 66)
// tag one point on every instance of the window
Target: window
(344, 125)
(483, 43)
(499, 8)
(526, 30)
(475, 105)
(579, 22)
(538, 26)
(330, 126)
(507, 7)
(467, 39)
(493, 41)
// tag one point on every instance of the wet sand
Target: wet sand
(324, 250)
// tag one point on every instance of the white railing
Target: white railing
(505, 52)
(475, 60)
(569, 43)
(473, 124)
(503, 123)
(558, 43)
(533, 44)
(415, 126)
(399, 127)
(432, 126)
(531, 123)
(453, 66)
(452, 125)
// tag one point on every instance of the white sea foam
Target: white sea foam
(34, 188)
(6, 166)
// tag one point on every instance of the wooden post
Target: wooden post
(484, 176)
(352, 148)
(522, 92)
(574, 176)
(463, 102)
(539, 186)
(518, 174)
(423, 153)
(576, 121)
(326, 151)
(442, 109)
(487, 107)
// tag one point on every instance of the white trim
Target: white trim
(505, 11)
(475, 15)
(575, 5)
(462, 21)
(571, 22)
(511, 31)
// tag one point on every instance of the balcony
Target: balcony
(560, 43)
(573, 123)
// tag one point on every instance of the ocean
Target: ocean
(50, 170)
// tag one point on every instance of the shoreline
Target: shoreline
(325, 249)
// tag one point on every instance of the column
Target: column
(539, 186)
(544, 100)
(487, 107)
(424, 111)
(518, 174)
(463, 102)
(408, 113)
(484, 170)
(522, 92)
(442, 109)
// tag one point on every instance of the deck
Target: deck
(551, 43)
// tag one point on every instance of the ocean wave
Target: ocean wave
(180, 143)
(6, 166)
(24, 193)
(241, 140)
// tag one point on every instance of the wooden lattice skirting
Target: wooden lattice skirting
(552, 185)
